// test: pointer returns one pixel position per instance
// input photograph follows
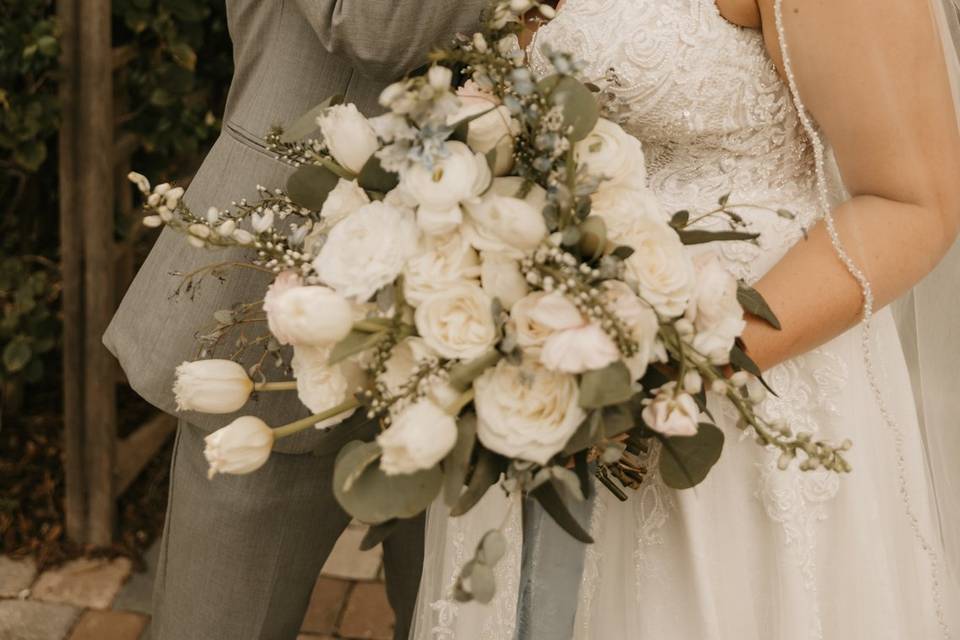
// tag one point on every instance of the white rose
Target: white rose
(556, 312)
(493, 130)
(580, 349)
(311, 315)
(501, 278)
(420, 436)
(611, 152)
(715, 311)
(672, 412)
(243, 446)
(345, 198)
(441, 262)
(530, 333)
(348, 136)
(501, 222)
(619, 207)
(527, 411)
(660, 266)
(458, 323)
(404, 358)
(367, 250)
(462, 175)
(642, 323)
(322, 387)
(211, 386)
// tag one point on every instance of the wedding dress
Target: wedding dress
(753, 553)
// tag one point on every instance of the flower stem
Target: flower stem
(286, 385)
(302, 425)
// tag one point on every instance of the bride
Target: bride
(842, 112)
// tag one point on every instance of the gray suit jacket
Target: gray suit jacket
(289, 56)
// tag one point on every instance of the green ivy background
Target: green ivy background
(170, 94)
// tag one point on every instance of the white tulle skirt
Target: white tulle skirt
(753, 553)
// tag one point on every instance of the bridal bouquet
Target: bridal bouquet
(483, 271)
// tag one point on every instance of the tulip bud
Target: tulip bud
(212, 386)
(243, 446)
(143, 185)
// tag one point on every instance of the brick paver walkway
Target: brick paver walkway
(103, 600)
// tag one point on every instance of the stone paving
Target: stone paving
(100, 599)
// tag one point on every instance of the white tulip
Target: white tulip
(501, 222)
(306, 315)
(367, 250)
(241, 447)
(526, 412)
(458, 322)
(672, 412)
(441, 262)
(345, 198)
(348, 136)
(211, 386)
(320, 386)
(419, 437)
(501, 278)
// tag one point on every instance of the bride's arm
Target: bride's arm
(872, 74)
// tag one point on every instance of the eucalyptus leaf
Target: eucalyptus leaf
(593, 240)
(604, 387)
(685, 462)
(16, 355)
(699, 236)
(310, 184)
(377, 533)
(359, 462)
(751, 300)
(680, 219)
(589, 431)
(485, 474)
(461, 128)
(457, 463)
(580, 108)
(740, 361)
(373, 496)
(307, 123)
(549, 498)
(356, 342)
(623, 252)
(373, 177)
(463, 374)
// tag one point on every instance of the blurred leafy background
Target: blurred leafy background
(170, 90)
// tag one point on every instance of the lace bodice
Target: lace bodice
(707, 102)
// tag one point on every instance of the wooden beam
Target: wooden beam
(134, 452)
(95, 139)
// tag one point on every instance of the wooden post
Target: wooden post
(71, 266)
(95, 134)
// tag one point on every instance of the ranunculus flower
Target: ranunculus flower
(530, 333)
(493, 130)
(611, 152)
(642, 323)
(306, 315)
(322, 387)
(211, 386)
(660, 265)
(345, 198)
(714, 310)
(527, 411)
(672, 412)
(501, 222)
(419, 437)
(620, 206)
(241, 447)
(458, 322)
(348, 136)
(367, 250)
(501, 278)
(439, 191)
(441, 262)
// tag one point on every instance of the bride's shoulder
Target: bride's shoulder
(744, 13)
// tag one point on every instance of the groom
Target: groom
(240, 553)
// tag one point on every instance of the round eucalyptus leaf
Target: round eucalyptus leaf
(580, 108)
(685, 462)
(371, 496)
